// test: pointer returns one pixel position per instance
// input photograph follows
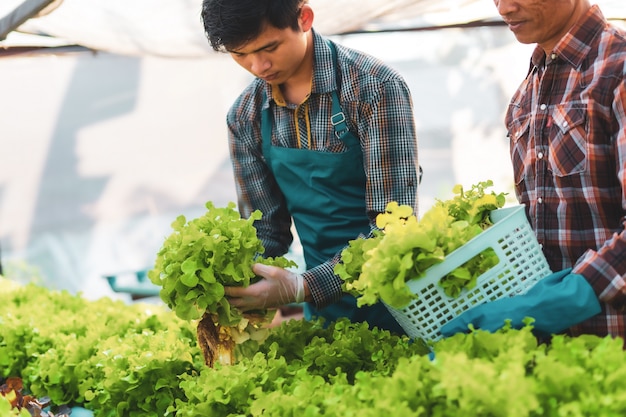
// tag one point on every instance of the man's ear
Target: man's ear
(306, 18)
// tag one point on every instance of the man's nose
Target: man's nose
(505, 7)
(259, 64)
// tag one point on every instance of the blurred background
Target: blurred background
(112, 119)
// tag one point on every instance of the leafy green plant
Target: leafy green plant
(7, 410)
(205, 254)
(143, 361)
(297, 359)
(54, 341)
(377, 268)
(197, 261)
(342, 347)
(137, 374)
(507, 373)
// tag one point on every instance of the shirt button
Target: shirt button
(543, 107)
(540, 155)
(565, 124)
(539, 200)
(553, 56)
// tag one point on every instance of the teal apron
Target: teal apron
(325, 194)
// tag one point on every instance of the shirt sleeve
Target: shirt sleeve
(256, 187)
(389, 140)
(605, 269)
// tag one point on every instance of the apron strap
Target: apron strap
(266, 127)
(338, 118)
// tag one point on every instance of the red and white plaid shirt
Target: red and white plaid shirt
(567, 129)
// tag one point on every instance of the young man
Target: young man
(567, 130)
(323, 136)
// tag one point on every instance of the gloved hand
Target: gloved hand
(277, 288)
(557, 302)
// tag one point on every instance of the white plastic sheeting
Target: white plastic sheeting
(173, 27)
(101, 151)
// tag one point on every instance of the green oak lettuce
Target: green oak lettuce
(201, 257)
(377, 268)
(205, 254)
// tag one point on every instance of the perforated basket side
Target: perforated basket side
(521, 264)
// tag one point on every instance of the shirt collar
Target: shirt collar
(324, 71)
(576, 44)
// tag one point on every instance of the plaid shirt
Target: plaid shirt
(567, 129)
(379, 111)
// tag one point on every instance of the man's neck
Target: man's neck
(297, 88)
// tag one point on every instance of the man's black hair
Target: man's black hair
(229, 24)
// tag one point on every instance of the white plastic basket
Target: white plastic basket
(521, 264)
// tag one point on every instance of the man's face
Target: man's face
(274, 56)
(543, 22)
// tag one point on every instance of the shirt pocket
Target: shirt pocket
(568, 144)
(518, 130)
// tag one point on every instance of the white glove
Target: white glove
(277, 288)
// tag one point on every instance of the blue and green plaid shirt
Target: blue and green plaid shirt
(379, 111)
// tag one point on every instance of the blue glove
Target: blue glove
(556, 302)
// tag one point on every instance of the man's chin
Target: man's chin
(271, 79)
